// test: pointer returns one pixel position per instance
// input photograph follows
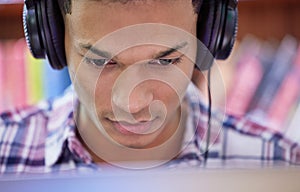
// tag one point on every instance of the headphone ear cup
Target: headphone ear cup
(206, 26)
(44, 31)
(229, 30)
(216, 29)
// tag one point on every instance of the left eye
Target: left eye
(164, 61)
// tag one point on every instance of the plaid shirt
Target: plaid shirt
(42, 138)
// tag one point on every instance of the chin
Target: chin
(136, 141)
(133, 140)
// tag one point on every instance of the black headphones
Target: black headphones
(44, 29)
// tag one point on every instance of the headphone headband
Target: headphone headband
(44, 30)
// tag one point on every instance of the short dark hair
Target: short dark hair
(66, 5)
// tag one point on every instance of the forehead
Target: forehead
(97, 18)
(133, 2)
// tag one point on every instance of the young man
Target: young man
(131, 63)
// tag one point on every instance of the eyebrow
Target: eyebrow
(106, 54)
(171, 50)
(96, 51)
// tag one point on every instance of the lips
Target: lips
(133, 129)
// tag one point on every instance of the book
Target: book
(266, 56)
(1, 78)
(13, 79)
(55, 81)
(25, 80)
(34, 74)
(246, 79)
(17, 73)
(8, 79)
(286, 97)
(270, 85)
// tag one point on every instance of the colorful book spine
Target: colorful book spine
(282, 63)
(245, 81)
(25, 80)
(1, 78)
(8, 75)
(286, 97)
(266, 57)
(17, 64)
(34, 69)
(54, 82)
(13, 93)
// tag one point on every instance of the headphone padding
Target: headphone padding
(207, 30)
(229, 30)
(54, 34)
(205, 22)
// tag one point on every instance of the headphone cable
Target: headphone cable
(208, 133)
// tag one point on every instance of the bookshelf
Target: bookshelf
(33, 79)
(264, 85)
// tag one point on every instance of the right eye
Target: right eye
(99, 62)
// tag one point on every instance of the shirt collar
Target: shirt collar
(192, 141)
(62, 130)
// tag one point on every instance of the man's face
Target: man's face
(130, 75)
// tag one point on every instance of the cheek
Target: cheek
(172, 94)
(103, 90)
(73, 59)
(168, 96)
(84, 84)
(83, 76)
(84, 79)
(187, 67)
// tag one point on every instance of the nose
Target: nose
(133, 100)
(139, 99)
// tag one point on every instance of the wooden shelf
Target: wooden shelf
(11, 21)
(269, 18)
(263, 18)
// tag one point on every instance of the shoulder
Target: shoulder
(22, 115)
(36, 116)
(23, 133)
(251, 139)
(244, 137)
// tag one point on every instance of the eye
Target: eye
(165, 62)
(99, 62)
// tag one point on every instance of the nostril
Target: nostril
(132, 101)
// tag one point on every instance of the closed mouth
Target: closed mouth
(126, 128)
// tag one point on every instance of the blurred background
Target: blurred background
(261, 78)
